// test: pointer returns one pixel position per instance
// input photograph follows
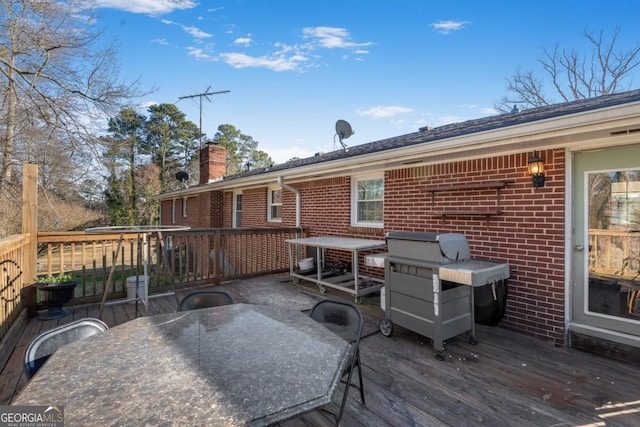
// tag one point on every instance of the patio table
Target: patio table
(239, 364)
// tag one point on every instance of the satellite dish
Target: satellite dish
(344, 131)
(182, 176)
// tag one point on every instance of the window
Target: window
(173, 211)
(275, 204)
(367, 201)
(237, 210)
(184, 207)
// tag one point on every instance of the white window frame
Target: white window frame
(354, 200)
(270, 191)
(234, 220)
(184, 207)
(173, 211)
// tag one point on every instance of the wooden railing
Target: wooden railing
(184, 259)
(12, 279)
(614, 253)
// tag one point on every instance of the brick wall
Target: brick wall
(203, 211)
(227, 209)
(254, 208)
(528, 234)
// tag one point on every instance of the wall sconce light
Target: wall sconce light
(536, 169)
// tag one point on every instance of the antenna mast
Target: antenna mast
(206, 95)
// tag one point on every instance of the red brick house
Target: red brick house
(570, 243)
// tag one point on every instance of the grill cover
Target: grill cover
(442, 248)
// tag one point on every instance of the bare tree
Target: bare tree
(57, 82)
(572, 75)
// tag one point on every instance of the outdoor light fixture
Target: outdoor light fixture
(536, 169)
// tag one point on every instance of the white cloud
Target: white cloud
(151, 7)
(275, 63)
(332, 38)
(195, 32)
(381, 111)
(295, 57)
(446, 27)
(286, 152)
(200, 54)
(243, 41)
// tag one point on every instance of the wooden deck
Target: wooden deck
(506, 380)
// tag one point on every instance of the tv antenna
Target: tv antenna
(206, 95)
(343, 131)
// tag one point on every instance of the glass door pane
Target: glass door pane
(614, 242)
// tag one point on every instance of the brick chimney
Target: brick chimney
(212, 162)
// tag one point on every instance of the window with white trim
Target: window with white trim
(237, 209)
(173, 211)
(367, 201)
(274, 212)
(184, 207)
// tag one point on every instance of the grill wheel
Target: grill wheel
(386, 327)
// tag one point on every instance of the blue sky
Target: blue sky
(293, 68)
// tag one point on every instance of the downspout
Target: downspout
(298, 201)
(298, 214)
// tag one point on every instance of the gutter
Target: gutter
(298, 200)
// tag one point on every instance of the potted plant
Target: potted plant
(55, 290)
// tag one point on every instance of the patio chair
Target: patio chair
(204, 299)
(45, 344)
(345, 320)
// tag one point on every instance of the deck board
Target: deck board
(507, 379)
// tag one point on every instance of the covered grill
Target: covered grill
(431, 284)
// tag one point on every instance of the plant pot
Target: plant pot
(28, 294)
(55, 296)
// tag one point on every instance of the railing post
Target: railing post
(30, 220)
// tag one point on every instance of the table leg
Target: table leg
(111, 271)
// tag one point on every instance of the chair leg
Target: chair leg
(361, 385)
(344, 396)
(348, 385)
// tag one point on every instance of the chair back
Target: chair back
(345, 320)
(45, 344)
(341, 318)
(204, 299)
